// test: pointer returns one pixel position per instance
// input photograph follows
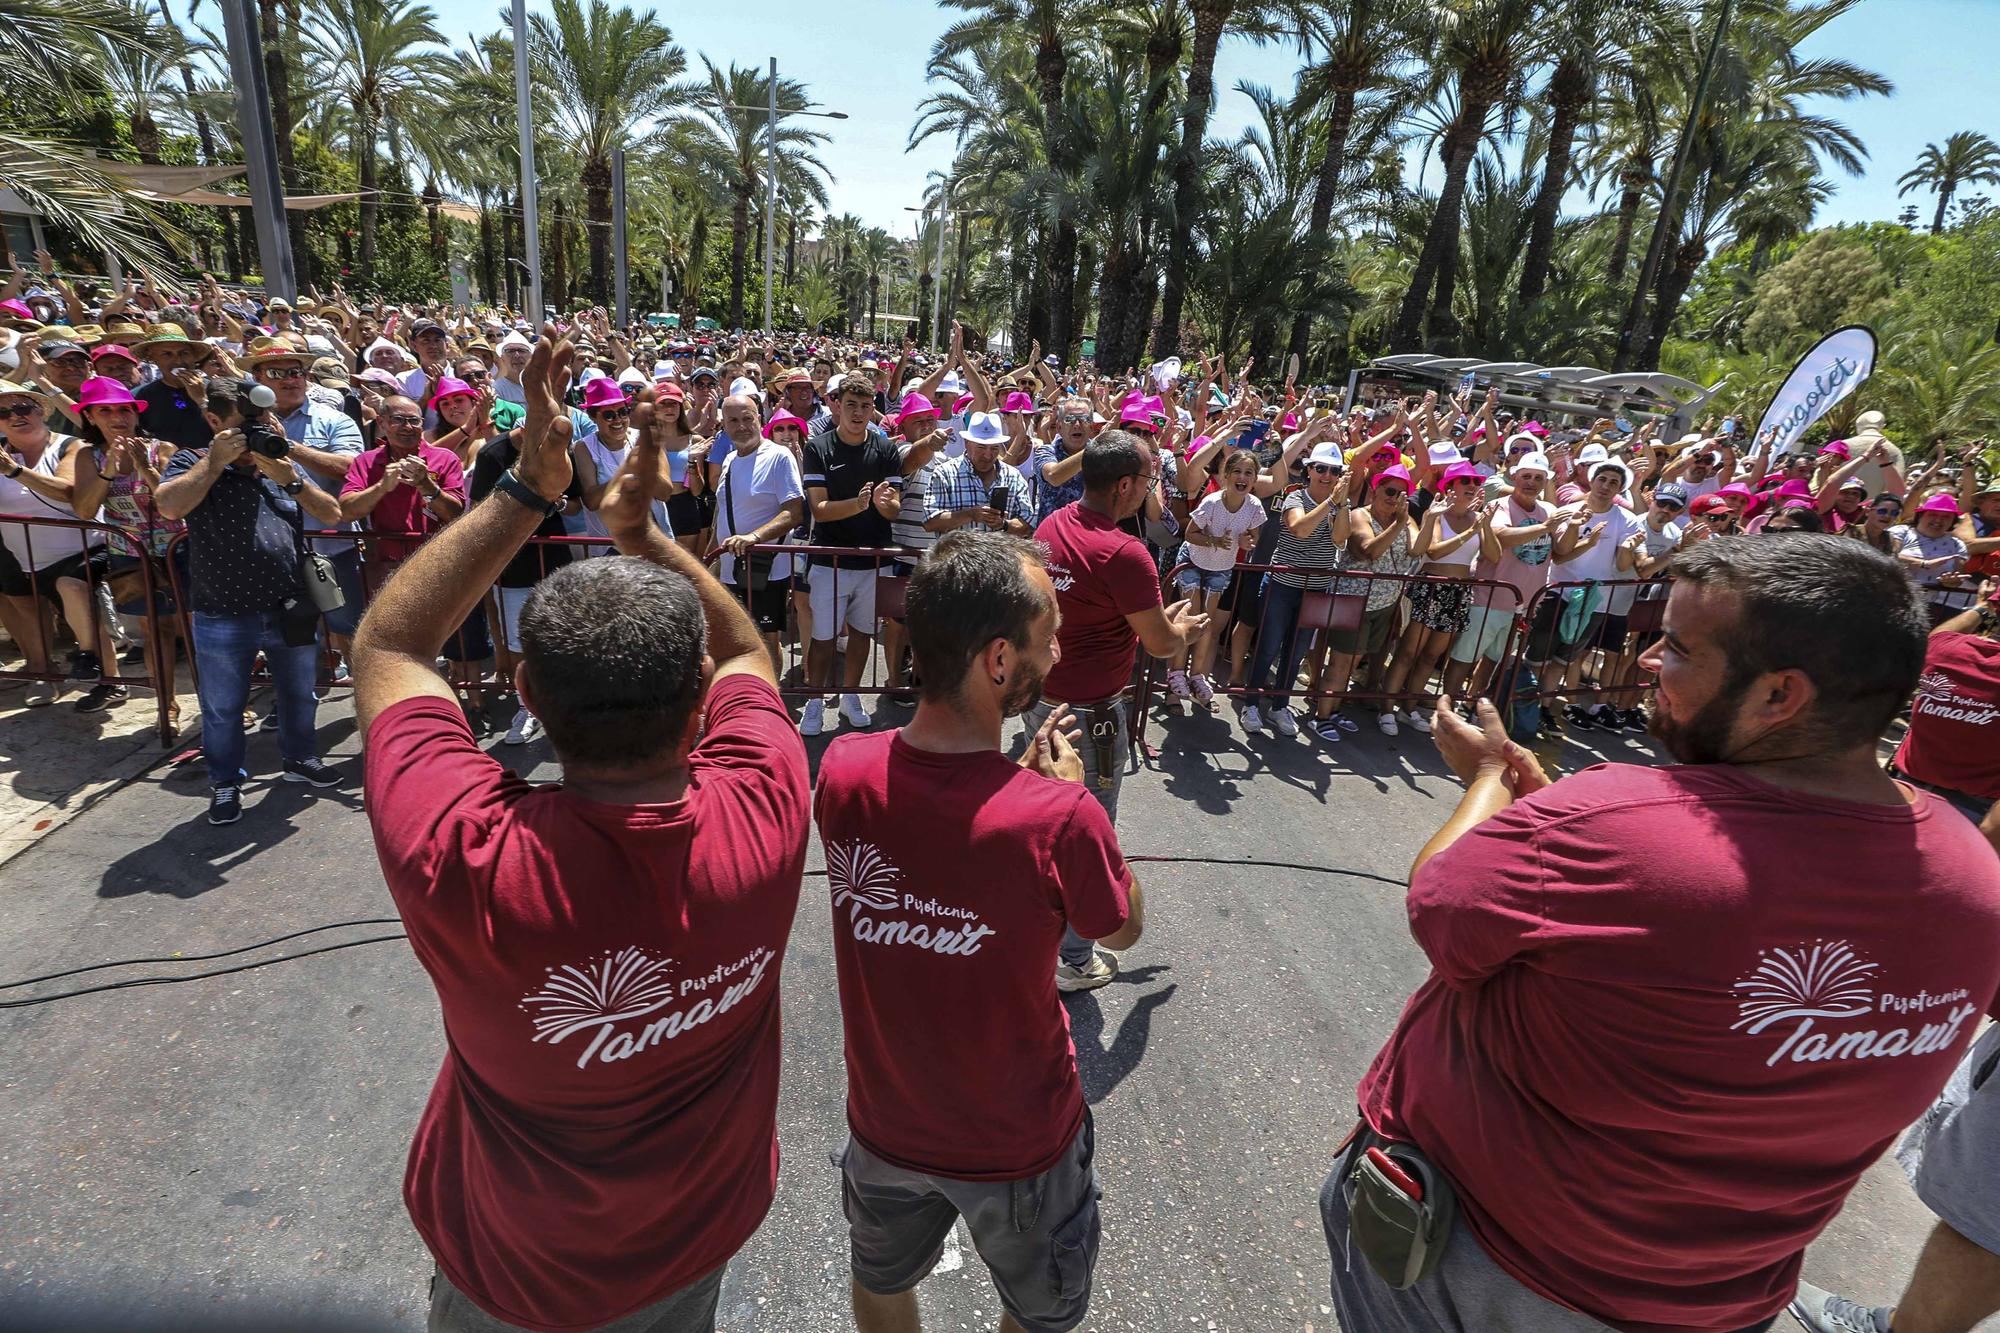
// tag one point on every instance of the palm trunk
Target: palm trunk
(434, 216)
(1569, 93)
(597, 213)
(739, 240)
(370, 202)
(1209, 21)
(1438, 263)
(957, 285)
(489, 286)
(1325, 187)
(146, 136)
(791, 248)
(514, 226)
(1114, 309)
(1633, 178)
(691, 273)
(1944, 203)
(1057, 271)
(1672, 287)
(559, 256)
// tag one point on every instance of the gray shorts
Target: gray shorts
(689, 1310)
(1038, 1237)
(1953, 1152)
(1467, 1293)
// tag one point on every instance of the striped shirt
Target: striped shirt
(1317, 550)
(907, 530)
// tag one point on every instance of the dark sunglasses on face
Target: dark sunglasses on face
(1325, 469)
(1888, 511)
(281, 373)
(474, 376)
(1073, 419)
(1671, 506)
(1391, 492)
(614, 413)
(18, 410)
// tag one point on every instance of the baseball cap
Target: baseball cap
(1673, 492)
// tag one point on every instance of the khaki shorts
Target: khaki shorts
(1038, 1236)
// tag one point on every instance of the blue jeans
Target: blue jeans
(1278, 641)
(225, 649)
(1075, 949)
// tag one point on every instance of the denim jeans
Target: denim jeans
(225, 649)
(1075, 948)
(1278, 642)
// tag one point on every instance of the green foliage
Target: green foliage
(1830, 281)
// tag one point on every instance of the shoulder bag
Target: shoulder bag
(753, 570)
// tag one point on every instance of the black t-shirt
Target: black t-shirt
(243, 541)
(843, 469)
(533, 563)
(171, 416)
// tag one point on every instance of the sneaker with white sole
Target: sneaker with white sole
(1204, 690)
(1417, 720)
(312, 772)
(856, 716)
(813, 720)
(1253, 721)
(225, 805)
(1177, 685)
(40, 694)
(525, 727)
(1823, 1312)
(1283, 722)
(1099, 971)
(1386, 721)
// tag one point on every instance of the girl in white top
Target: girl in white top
(1222, 526)
(1454, 532)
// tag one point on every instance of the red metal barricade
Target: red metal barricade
(1596, 630)
(68, 586)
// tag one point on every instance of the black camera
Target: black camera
(260, 435)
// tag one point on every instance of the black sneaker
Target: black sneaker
(1551, 723)
(1604, 715)
(105, 694)
(85, 666)
(133, 656)
(1579, 718)
(311, 771)
(1635, 719)
(225, 805)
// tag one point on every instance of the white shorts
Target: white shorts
(508, 602)
(1485, 635)
(841, 595)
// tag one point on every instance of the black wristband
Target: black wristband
(511, 485)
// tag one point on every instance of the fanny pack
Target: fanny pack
(1401, 1211)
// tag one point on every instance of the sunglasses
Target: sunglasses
(1881, 511)
(475, 376)
(19, 409)
(406, 420)
(1672, 507)
(1390, 492)
(1326, 468)
(614, 413)
(1072, 419)
(281, 373)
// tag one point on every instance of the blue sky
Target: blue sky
(869, 63)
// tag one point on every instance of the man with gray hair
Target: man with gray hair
(606, 951)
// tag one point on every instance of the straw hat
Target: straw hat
(266, 350)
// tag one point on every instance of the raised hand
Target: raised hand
(544, 437)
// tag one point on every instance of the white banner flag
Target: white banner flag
(1833, 369)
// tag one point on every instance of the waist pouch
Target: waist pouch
(1402, 1238)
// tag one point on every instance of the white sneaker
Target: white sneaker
(1386, 721)
(1253, 721)
(1284, 722)
(1417, 720)
(525, 728)
(851, 709)
(813, 720)
(1099, 971)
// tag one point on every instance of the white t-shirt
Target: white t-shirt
(756, 486)
(46, 545)
(1600, 562)
(608, 462)
(1657, 544)
(1214, 517)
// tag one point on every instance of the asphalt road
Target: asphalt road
(228, 1153)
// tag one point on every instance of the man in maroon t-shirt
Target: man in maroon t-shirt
(962, 1092)
(603, 1134)
(1675, 1012)
(1109, 591)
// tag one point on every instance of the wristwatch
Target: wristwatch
(511, 485)
(294, 487)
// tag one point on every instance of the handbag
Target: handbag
(753, 570)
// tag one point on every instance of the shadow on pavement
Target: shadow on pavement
(1103, 1067)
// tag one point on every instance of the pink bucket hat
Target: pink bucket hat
(915, 405)
(1018, 402)
(447, 387)
(783, 418)
(1139, 410)
(101, 391)
(602, 392)
(1937, 504)
(1456, 472)
(1394, 472)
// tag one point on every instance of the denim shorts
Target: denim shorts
(1210, 581)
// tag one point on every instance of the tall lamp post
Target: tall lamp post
(937, 283)
(771, 174)
(525, 125)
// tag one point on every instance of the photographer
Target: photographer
(245, 514)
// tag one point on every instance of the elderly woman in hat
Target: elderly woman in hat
(115, 480)
(52, 563)
(601, 452)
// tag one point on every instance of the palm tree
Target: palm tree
(1967, 158)
(873, 251)
(607, 73)
(1622, 147)
(1941, 384)
(729, 138)
(377, 57)
(1481, 47)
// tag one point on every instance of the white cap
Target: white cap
(631, 375)
(744, 384)
(985, 428)
(1535, 462)
(1329, 452)
(1592, 453)
(514, 339)
(1444, 454)
(663, 370)
(590, 373)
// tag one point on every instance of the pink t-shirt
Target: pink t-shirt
(402, 509)
(1674, 1013)
(952, 876)
(1102, 574)
(604, 1128)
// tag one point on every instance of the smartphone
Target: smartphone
(1729, 426)
(1253, 434)
(1324, 402)
(996, 499)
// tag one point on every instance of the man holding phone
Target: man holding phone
(977, 489)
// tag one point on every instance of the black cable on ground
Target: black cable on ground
(1225, 862)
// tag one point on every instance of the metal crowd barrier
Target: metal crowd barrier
(91, 583)
(1574, 623)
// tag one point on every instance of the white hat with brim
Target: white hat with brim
(1535, 462)
(515, 339)
(985, 428)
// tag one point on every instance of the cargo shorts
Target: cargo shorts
(1038, 1237)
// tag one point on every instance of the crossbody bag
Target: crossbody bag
(753, 570)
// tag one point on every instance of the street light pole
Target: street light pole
(771, 195)
(618, 271)
(260, 148)
(524, 121)
(937, 281)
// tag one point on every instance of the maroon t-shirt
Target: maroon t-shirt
(1674, 1014)
(1954, 735)
(403, 508)
(604, 1128)
(1102, 574)
(952, 876)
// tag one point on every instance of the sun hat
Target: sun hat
(113, 349)
(1326, 454)
(985, 428)
(9, 389)
(449, 387)
(602, 392)
(1591, 454)
(384, 378)
(1138, 411)
(1937, 504)
(1394, 472)
(1535, 462)
(1018, 402)
(1444, 454)
(1838, 448)
(515, 339)
(915, 405)
(330, 372)
(1534, 428)
(783, 418)
(951, 384)
(1855, 483)
(785, 379)
(163, 333)
(632, 375)
(266, 350)
(1737, 488)
(18, 309)
(1459, 472)
(101, 391)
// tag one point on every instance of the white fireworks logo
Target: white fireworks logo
(616, 987)
(1823, 980)
(856, 872)
(1934, 685)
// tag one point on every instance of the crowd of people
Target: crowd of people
(633, 528)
